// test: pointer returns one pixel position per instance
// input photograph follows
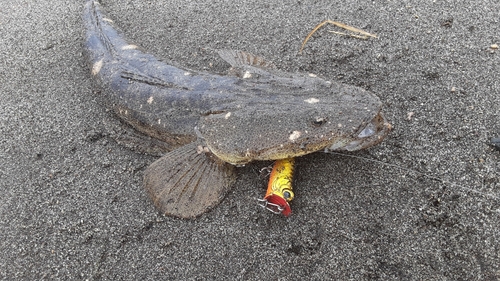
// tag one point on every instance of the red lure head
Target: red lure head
(278, 205)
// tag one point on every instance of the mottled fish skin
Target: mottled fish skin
(211, 121)
(263, 114)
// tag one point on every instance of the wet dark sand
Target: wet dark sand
(72, 205)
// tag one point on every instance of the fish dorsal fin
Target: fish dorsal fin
(243, 62)
(188, 181)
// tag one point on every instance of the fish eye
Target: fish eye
(288, 195)
(318, 121)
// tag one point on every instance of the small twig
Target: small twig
(364, 34)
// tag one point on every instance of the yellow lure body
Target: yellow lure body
(279, 190)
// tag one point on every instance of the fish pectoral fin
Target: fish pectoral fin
(188, 181)
(246, 63)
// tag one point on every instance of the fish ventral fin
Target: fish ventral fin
(188, 181)
(244, 64)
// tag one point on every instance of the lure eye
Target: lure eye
(288, 195)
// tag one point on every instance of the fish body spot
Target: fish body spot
(96, 68)
(130, 47)
(312, 100)
(294, 135)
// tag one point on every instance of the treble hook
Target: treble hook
(274, 208)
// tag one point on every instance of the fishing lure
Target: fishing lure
(279, 190)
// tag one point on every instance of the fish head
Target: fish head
(280, 126)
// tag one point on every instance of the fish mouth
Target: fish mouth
(371, 134)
